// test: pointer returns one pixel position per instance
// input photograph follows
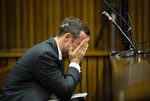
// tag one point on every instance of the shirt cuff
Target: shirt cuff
(75, 65)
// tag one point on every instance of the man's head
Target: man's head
(72, 31)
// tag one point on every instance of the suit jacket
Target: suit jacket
(38, 74)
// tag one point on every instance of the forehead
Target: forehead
(82, 35)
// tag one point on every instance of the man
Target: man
(39, 73)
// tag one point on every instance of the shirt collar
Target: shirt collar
(59, 53)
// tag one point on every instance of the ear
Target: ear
(68, 37)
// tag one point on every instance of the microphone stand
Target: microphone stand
(134, 49)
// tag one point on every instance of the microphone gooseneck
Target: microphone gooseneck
(113, 21)
(129, 28)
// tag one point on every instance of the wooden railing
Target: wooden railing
(95, 70)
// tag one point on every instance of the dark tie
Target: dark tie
(62, 66)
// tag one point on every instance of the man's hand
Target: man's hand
(77, 55)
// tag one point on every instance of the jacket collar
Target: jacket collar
(56, 47)
(53, 44)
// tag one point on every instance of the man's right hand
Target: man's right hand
(77, 55)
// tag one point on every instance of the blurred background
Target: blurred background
(24, 23)
(27, 22)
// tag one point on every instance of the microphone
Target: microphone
(129, 28)
(114, 22)
(108, 16)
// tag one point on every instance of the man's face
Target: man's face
(74, 42)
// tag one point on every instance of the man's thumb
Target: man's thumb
(70, 49)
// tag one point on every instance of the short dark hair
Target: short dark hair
(72, 25)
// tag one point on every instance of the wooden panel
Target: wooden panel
(130, 79)
(139, 17)
(3, 25)
(146, 28)
(10, 23)
(37, 21)
(27, 22)
(100, 80)
(84, 73)
(4, 72)
(43, 24)
(18, 24)
(31, 23)
(139, 23)
(91, 81)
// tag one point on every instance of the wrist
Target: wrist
(73, 61)
(75, 65)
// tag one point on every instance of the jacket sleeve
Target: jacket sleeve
(48, 73)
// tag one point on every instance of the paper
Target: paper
(78, 95)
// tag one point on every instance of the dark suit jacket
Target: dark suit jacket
(38, 74)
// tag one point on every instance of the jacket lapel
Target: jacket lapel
(54, 46)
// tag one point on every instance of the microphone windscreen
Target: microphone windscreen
(105, 14)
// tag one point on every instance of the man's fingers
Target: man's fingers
(70, 49)
(82, 44)
(84, 49)
(79, 52)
